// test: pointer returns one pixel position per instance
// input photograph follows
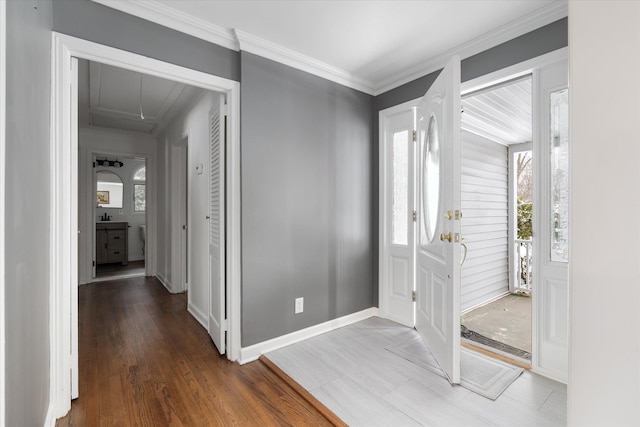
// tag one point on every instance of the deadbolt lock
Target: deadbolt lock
(457, 215)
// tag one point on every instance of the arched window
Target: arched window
(140, 174)
(139, 189)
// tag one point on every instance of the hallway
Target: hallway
(145, 361)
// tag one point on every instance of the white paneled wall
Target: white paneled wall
(485, 208)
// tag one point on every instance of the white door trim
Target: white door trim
(518, 70)
(64, 224)
(3, 128)
(150, 212)
(530, 66)
(514, 71)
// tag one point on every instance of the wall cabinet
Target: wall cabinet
(112, 242)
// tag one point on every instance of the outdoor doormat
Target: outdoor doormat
(482, 375)
(481, 339)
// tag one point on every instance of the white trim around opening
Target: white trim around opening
(515, 71)
(64, 173)
(3, 118)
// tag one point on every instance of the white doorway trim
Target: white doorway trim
(3, 128)
(513, 72)
(64, 173)
(518, 70)
(531, 67)
(150, 261)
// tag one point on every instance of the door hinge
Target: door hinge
(415, 216)
(415, 136)
(94, 164)
(413, 296)
(94, 263)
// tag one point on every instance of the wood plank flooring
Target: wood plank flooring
(352, 373)
(144, 361)
(117, 270)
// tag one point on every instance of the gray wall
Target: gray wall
(306, 199)
(101, 24)
(310, 162)
(27, 218)
(535, 43)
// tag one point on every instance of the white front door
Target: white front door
(438, 238)
(551, 216)
(398, 201)
(217, 289)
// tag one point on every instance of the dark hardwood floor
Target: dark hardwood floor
(144, 361)
(117, 269)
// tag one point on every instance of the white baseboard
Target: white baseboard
(198, 315)
(50, 420)
(253, 352)
(164, 282)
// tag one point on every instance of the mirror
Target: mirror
(431, 178)
(109, 190)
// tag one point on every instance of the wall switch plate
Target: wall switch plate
(299, 305)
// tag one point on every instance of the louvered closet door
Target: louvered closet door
(217, 297)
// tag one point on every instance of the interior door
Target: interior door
(438, 240)
(217, 291)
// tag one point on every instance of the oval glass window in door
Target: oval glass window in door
(431, 179)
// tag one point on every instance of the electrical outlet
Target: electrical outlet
(299, 305)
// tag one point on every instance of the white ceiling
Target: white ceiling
(502, 113)
(377, 44)
(111, 97)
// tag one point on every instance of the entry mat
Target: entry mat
(482, 375)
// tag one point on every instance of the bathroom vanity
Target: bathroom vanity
(112, 242)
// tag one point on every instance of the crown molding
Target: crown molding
(266, 49)
(155, 11)
(519, 27)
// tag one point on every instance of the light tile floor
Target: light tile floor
(352, 373)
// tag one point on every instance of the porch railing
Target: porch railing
(524, 264)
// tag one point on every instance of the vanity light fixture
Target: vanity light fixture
(112, 163)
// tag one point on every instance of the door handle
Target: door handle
(446, 237)
(464, 257)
